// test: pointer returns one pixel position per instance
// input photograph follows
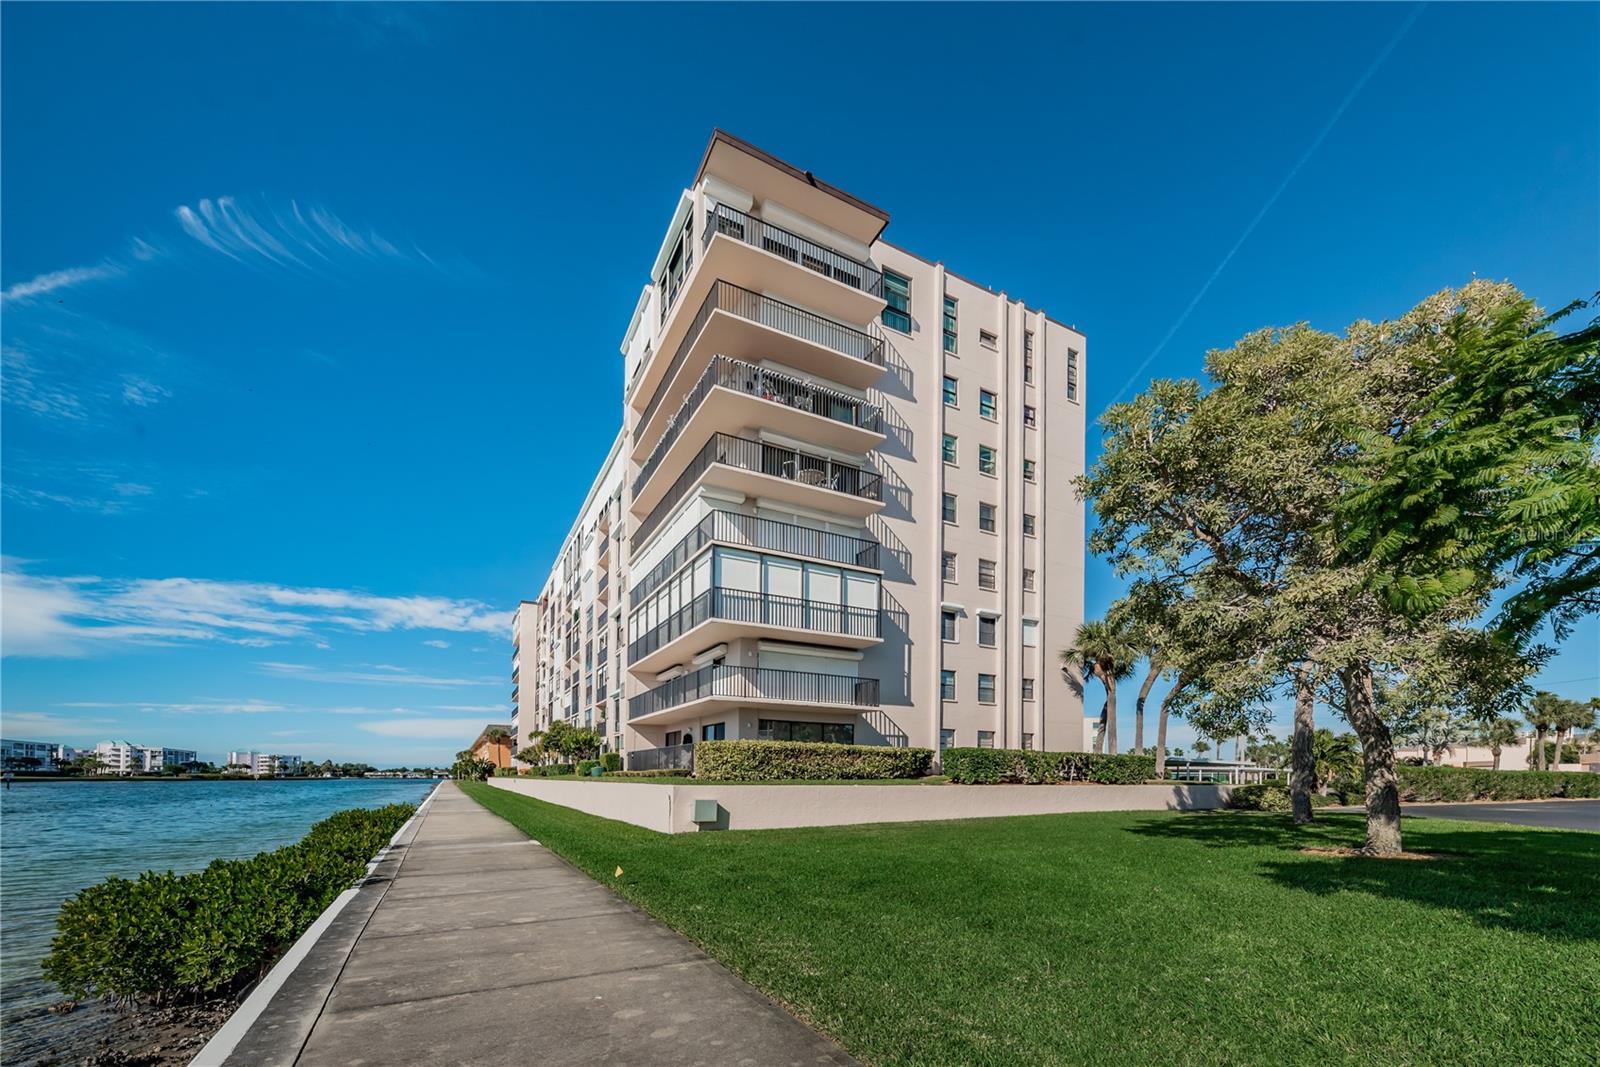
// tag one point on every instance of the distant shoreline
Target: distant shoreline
(22, 776)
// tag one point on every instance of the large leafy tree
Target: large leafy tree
(1489, 471)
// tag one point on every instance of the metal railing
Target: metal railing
(756, 683)
(769, 385)
(768, 609)
(670, 758)
(786, 318)
(730, 222)
(762, 458)
(751, 531)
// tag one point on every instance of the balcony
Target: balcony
(719, 615)
(602, 588)
(732, 395)
(759, 469)
(748, 531)
(723, 687)
(744, 324)
(764, 256)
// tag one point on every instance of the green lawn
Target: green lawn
(1133, 938)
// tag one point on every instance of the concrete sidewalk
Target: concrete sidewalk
(479, 946)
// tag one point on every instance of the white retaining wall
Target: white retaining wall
(670, 808)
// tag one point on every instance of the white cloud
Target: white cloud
(29, 386)
(428, 729)
(41, 726)
(66, 616)
(378, 674)
(291, 236)
(437, 644)
(214, 707)
(60, 279)
(141, 392)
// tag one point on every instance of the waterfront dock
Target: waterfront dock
(471, 943)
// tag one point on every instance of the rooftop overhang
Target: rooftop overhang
(764, 175)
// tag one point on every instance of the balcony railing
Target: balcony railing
(756, 683)
(786, 318)
(730, 222)
(673, 757)
(753, 532)
(768, 609)
(762, 458)
(770, 385)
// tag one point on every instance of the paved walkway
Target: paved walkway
(473, 944)
(1556, 814)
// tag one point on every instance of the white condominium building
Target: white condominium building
(840, 504)
(265, 763)
(124, 757)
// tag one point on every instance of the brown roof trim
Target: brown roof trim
(719, 134)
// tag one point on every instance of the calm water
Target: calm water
(59, 837)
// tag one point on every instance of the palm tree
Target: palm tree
(1501, 733)
(1571, 715)
(1546, 708)
(1334, 756)
(1102, 649)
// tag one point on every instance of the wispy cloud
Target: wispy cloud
(70, 278)
(42, 726)
(426, 729)
(437, 644)
(91, 488)
(292, 236)
(213, 707)
(370, 674)
(71, 615)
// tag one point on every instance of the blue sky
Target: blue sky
(312, 312)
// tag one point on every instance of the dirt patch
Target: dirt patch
(1360, 854)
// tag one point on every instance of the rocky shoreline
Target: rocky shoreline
(100, 1034)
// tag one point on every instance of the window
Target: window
(714, 731)
(1027, 524)
(1029, 470)
(950, 508)
(1027, 742)
(673, 738)
(985, 738)
(988, 339)
(677, 268)
(1030, 633)
(986, 574)
(986, 518)
(986, 693)
(1030, 417)
(1027, 578)
(836, 733)
(947, 739)
(949, 392)
(949, 568)
(986, 460)
(1027, 357)
(949, 450)
(1072, 374)
(950, 324)
(947, 685)
(986, 630)
(897, 291)
(1027, 689)
(988, 404)
(947, 625)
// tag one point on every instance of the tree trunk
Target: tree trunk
(1111, 714)
(1538, 746)
(1561, 741)
(1138, 707)
(1496, 753)
(1161, 728)
(1377, 753)
(1302, 762)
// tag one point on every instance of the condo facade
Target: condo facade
(124, 757)
(839, 506)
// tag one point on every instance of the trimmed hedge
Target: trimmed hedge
(1004, 766)
(776, 761)
(611, 761)
(586, 767)
(1270, 796)
(165, 936)
(657, 772)
(1471, 783)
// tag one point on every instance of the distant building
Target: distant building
(125, 757)
(496, 748)
(18, 755)
(1518, 756)
(266, 764)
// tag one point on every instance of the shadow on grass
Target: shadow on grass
(1530, 881)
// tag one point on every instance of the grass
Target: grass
(1133, 937)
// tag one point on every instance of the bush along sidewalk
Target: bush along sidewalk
(1004, 766)
(164, 938)
(1270, 796)
(775, 761)
(1470, 783)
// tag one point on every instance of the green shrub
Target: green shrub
(611, 761)
(558, 770)
(586, 767)
(1002, 766)
(659, 772)
(165, 936)
(776, 761)
(1473, 783)
(1269, 796)
(505, 772)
